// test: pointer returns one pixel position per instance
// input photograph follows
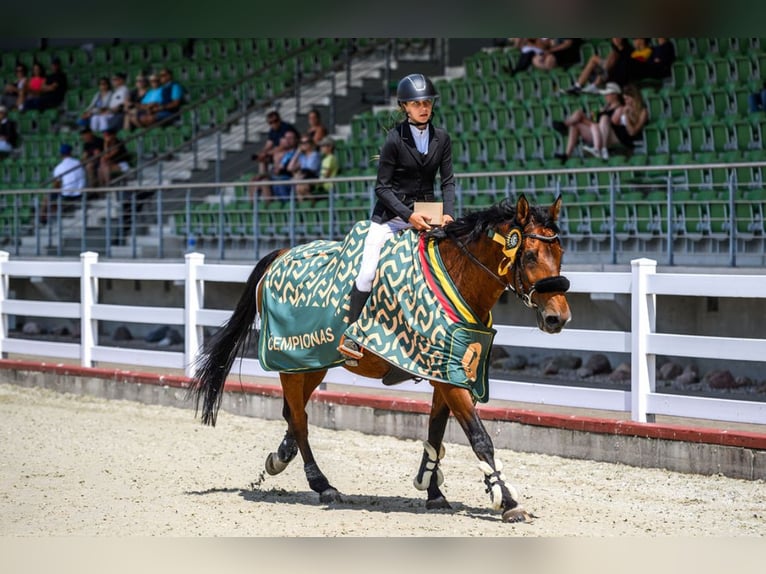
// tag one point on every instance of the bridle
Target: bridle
(513, 247)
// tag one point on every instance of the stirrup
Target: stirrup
(350, 348)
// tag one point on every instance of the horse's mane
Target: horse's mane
(474, 224)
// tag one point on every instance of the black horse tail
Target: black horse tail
(220, 351)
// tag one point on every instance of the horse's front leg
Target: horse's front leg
(297, 389)
(429, 476)
(504, 497)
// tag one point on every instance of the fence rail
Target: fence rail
(642, 342)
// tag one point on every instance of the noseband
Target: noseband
(512, 243)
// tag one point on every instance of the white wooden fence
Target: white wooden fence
(643, 343)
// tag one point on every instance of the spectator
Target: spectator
(316, 130)
(330, 167)
(530, 47)
(579, 127)
(277, 129)
(134, 101)
(120, 98)
(562, 53)
(624, 126)
(53, 90)
(34, 85)
(148, 105)
(15, 92)
(640, 60)
(599, 70)
(281, 156)
(305, 164)
(97, 114)
(165, 110)
(660, 65)
(69, 179)
(9, 136)
(92, 146)
(114, 158)
(757, 100)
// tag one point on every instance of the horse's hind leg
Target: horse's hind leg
(297, 389)
(503, 495)
(429, 476)
(277, 461)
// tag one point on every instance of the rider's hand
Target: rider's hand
(447, 219)
(420, 221)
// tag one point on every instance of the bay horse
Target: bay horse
(506, 247)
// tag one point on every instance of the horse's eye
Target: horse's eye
(530, 257)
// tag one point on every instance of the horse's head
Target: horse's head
(531, 261)
(527, 260)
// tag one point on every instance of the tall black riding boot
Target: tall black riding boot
(348, 347)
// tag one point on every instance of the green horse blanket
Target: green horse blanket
(415, 318)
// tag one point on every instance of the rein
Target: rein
(512, 243)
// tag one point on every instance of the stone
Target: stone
(122, 333)
(720, 380)
(31, 328)
(669, 371)
(599, 364)
(621, 373)
(510, 363)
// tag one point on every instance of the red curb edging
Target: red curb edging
(742, 439)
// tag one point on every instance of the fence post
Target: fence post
(4, 285)
(643, 323)
(194, 293)
(88, 298)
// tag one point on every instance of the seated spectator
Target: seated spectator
(561, 53)
(330, 167)
(98, 112)
(165, 110)
(660, 65)
(69, 179)
(281, 156)
(15, 92)
(600, 70)
(120, 97)
(9, 136)
(134, 101)
(530, 47)
(316, 130)
(148, 105)
(92, 146)
(305, 164)
(757, 101)
(34, 85)
(277, 129)
(624, 126)
(579, 127)
(51, 94)
(114, 158)
(640, 60)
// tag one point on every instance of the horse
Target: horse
(514, 247)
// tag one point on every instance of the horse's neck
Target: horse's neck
(479, 289)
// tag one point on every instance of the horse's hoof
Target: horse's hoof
(274, 465)
(517, 514)
(438, 504)
(329, 496)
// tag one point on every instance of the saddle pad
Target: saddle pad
(417, 320)
(305, 301)
(414, 318)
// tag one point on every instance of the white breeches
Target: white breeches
(376, 237)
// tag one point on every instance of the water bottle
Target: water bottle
(191, 243)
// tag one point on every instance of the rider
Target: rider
(413, 152)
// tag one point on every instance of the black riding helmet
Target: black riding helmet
(415, 87)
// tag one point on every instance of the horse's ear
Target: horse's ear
(522, 210)
(555, 208)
